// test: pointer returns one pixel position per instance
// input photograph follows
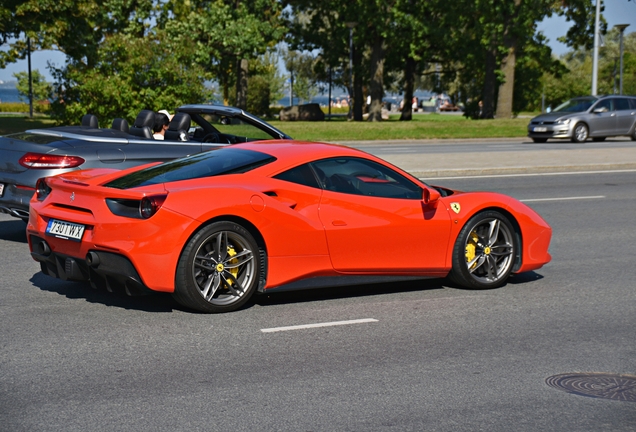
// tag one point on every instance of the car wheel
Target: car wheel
(218, 270)
(484, 252)
(633, 135)
(598, 139)
(539, 140)
(580, 133)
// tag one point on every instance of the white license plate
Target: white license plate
(1, 189)
(65, 230)
(540, 129)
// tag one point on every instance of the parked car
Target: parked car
(578, 119)
(216, 227)
(27, 156)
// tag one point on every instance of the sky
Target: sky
(616, 12)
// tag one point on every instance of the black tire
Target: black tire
(580, 133)
(540, 140)
(598, 139)
(633, 135)
(484, 252)
(219, 269)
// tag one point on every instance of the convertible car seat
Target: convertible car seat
(178, 127)
(120, 124)
(90, 121)
(143, 124)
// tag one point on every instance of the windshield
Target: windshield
(226, 160)
(576, 105)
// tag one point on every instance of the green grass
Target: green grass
(429, 126)
(19, 123)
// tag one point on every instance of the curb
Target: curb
(567, 169)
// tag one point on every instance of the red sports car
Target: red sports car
(215, 227)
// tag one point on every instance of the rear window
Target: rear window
(226, 160)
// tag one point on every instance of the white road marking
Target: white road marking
(529, 174)
(563, 198)
(326, 324)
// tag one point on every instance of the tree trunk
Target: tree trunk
(357, 86)
(506, 89)
(409, 85)
(377, 79)
(490, 84)
(241, 84)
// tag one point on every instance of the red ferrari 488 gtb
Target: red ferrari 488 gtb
(215, 227)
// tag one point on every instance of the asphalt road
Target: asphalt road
(426, 357)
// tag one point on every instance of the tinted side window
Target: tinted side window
(301, 174)
(632, 103)
(364, 177)
(621, 104)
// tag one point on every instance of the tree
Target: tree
(227, 34)
(41, 89)
(505, 30)
(266, 84)
(130, 74)
(76, 28)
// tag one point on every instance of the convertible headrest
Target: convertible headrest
(90, 120)
(178, 127)
(180, 121)
(145, 118)
(120, 124)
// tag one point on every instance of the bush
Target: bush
(43, 107)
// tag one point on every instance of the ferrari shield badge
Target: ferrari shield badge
(456, 207)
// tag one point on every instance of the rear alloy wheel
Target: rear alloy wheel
(580, 133)
(484, 252)
(218, 270)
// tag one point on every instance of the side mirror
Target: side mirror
(600, 110)
(430, 197)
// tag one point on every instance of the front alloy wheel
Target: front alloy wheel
(484, 252)
(580, 133)
(218, 270)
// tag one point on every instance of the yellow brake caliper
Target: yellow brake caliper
(471, 246)
(234, 271)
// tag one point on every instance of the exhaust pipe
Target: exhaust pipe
(44, 249)
(92, 259)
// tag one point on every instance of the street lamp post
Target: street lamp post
(596, 43)
(621, 28)
(30, 78)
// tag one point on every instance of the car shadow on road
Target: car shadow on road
(13, 230)
(515, 279)
(348, 291)
(155, 302)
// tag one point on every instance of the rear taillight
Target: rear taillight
(46, 161)
(150, 205)
(42, 190)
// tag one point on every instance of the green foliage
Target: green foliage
(577, 78)
(41, 89)
(130, 74)
(265, 84)
(301, 68)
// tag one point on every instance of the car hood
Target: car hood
(552, 117)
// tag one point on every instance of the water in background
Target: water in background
(10, 95)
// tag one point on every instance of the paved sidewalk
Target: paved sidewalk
(513, 161)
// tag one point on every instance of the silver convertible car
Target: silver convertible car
(27, 156)
(578, 119)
